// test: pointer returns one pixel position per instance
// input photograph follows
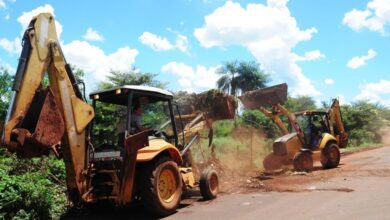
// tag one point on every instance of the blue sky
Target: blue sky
(320, 48)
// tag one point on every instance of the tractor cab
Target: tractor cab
(128, 110)
(312, 125)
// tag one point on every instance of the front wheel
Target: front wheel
(209, 184)
(303, 161)
(162, 187)
(330, 156)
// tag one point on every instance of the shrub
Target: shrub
(29, 188)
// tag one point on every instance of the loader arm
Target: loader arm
(274, 116)
(39, 119)
(337, 128)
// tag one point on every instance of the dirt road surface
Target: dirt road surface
(358, 189)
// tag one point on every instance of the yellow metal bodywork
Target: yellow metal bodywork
(157, 146)
(276, 119)
(293, 146)
(187, 176)
(326, 138)
(336, 120)
(83, 113)
(167, 185)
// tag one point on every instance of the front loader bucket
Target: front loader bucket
(269, 96)
(42, 128)
(216, 104)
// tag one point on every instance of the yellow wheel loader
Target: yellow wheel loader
(308, 136)
(114, 163)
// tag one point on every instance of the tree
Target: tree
(362, 121)
(300, 103)
(6, 81)
(241, 77)
(118, 78)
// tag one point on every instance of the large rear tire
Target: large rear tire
(162, 187)
(330, 156)
(303, 161)
(209, 184)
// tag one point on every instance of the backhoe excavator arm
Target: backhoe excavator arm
(338, 127)
(39, 119)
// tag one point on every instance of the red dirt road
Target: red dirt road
(358, 189)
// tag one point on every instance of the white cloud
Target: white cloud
(182, 43)
(357, 61)
(95, 62)
(376, 17)
(159, 43)
(310, 55)
(375, 92)
(26, 17)
(7, 66)
(93, 35)
(14, 46)
(2, 4)
(91, 59)
(192, 79)
(11, 46)
(342, 100)
(269, 32)
(329, 81)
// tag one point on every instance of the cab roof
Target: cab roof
(118, 95)
(135, 87)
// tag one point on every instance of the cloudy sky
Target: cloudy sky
(323, 48)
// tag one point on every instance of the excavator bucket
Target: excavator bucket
(269, 96)
(42, 128)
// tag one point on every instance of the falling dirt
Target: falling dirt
(385, 135)
(238, 159)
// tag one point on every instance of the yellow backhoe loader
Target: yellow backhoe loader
(116, 163)
(307, 135)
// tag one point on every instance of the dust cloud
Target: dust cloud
(385, 135)
(237, 158)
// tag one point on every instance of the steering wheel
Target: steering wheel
(147, 125)
(161, 133)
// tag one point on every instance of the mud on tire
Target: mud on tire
(330, 156)
(209, 184)
(303, 161)
(161, 187)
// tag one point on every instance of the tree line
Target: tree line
(363, 120)
(31, 189)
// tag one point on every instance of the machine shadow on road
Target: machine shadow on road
(134, 211)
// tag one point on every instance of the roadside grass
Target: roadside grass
(362, 147)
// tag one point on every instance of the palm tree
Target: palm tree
(241, 77)
(251, 77)
(226, 82)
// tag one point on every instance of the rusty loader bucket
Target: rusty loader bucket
(269, 96)
(216, 104)
(42, 128)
